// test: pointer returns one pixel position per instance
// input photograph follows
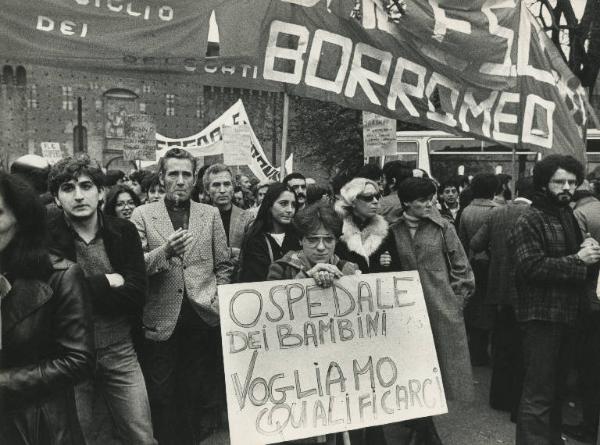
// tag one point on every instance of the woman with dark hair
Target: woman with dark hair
(46, 341)
(271, 235)
(121, 201)
(319, 228)
(425, 241)
(153, 189)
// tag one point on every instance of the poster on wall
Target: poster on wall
(302, 361)
(140, 138)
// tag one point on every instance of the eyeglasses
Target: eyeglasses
(571, 182)
(369, 198)
(125, 203)
(314, 240)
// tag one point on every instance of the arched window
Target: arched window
(21, 76)
(7, 75)
(461, 170)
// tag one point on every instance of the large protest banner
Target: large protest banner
(302, 361)
(213, 133)
(483, 68)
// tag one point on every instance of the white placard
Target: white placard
(237, 145)
(379, 135)
(51, 152)
(301, 361)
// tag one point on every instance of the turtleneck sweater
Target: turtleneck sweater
(412, 222)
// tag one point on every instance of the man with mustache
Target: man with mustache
(109, 251)
(186, 258)
(297, 183)
(553, 263)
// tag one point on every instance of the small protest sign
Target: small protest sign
(379, 135)
(140, 138)
(302, 361)
(51, 152)
(237, 144)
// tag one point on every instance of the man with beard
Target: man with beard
(297, 183)
(552, 263)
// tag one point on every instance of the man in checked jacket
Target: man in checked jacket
(553, 262)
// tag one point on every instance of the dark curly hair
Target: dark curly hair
(545, 169)
(68, 169)
(113, 195)
(485, 185)
(26, 255)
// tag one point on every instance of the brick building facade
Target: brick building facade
(39, 104)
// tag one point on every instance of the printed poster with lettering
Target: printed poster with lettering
(379, 135)
(302, 361)
(140, 138)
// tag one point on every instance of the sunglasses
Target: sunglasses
(369, 198)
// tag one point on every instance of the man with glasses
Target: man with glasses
(297, 183)
(552, 263)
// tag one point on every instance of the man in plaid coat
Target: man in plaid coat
(551, 260)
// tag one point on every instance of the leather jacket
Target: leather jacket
(47, 336)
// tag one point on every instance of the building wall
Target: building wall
(44, 109)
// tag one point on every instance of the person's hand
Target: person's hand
(115, 279)
(589, 254)
(589, 241)
(385, 259)
(324, 274)
(177, 243)
(235, 252)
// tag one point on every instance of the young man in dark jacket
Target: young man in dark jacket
(552, 260)
(109, 251)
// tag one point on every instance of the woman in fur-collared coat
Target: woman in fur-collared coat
(363, 234)
(363, 231)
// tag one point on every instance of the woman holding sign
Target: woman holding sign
(424, 241)
(320, 227)
(271, 234)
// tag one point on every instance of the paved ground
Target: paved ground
(465, 424)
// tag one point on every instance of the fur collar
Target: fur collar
(368, 241)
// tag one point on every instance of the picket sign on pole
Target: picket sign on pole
(284, 133)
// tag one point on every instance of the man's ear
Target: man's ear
(161, 179)
(101, 194)
(57, 201)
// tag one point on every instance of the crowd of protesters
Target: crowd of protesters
(111, 290)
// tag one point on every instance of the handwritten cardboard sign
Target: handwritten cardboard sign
(379, 135)
(51, 151)
(301, 361)
(237, 145)
(140, 138)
